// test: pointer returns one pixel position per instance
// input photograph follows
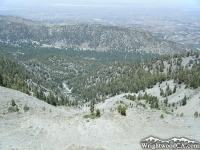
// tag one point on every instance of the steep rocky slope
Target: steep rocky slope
(46, 127)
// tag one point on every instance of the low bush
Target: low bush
(122, 110)
(26, 108)
(92, 116)
(13, 109)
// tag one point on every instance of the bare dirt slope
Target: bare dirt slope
(60, 128)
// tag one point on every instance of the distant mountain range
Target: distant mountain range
(25, 33)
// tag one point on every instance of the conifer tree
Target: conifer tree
(196, 114)
(174, 90)
(92, 108)
(184, 101)
(98, 114)
(1, 80)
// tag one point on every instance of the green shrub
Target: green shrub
(98, 114)
(26, 108)
(13, 109)
(43, 108)
(122, 110)
(162, 116)
(182, 114)
(92, 116)
(167, 112)
(13, 102)
(119, 108)
(17, 109)
(196, 114)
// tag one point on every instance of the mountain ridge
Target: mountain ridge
(25, 33)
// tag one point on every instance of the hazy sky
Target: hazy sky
(153, 3)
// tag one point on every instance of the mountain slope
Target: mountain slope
(114, 79)
(12, 75)
(25, 33)
(46, 127)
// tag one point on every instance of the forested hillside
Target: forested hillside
(12, 75)
(25, 33)
(50, 69)
(71, 77)
(120, 78)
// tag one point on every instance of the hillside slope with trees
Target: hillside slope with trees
(25, 33)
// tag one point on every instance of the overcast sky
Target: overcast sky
(155, 3)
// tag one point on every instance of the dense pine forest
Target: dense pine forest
(90, 75)
(13, 76)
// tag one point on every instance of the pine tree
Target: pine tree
(170, 70)
(123, 111)
(1, 80)
(92, 108)
(13, 102)
(166, 101)
(156, 106)
(40, 94)
(184, 101)
(161, 92)
(174, 90)
(98, 114)
(196, 114)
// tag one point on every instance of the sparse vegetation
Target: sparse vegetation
(17, 109)
(93, 115)
(43, 108)
(122, 110)
(92, 108)
(182, 115)
(174, 90)
(184, 101)
(26, 108)
(166, 101)
(131, 97)
(162, 116)
(152, 100)
(12, 103)
(169, 113)
(13, 109)
(98, 114)
(141, 104)
(196, 114)
(90, 116)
